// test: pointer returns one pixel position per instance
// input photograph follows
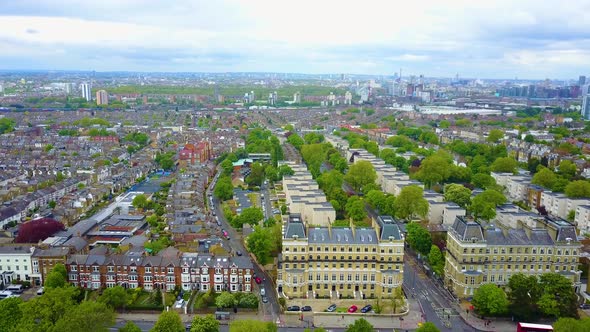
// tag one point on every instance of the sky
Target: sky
(437, 38)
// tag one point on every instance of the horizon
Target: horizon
(528, 39)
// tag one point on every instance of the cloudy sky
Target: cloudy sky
(485, 39)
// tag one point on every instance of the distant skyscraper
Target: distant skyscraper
(297, 97)
(582, 80)
(1, 89)
(86, 91)
(102, 97)
(348, 98)
(586, 101)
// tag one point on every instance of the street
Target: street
(147, 325)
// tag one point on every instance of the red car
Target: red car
(352, 309)
(258, 280)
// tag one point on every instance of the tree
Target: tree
(206, 323)
(427, 327)
(169, 321)
(140, 201)
(436, 260)
(225, 300)
(224, 189)
(57, 277)
(355, 208)
(419, 238)
(314, 156)
(434, 169)
(567, 169)
(529, 138)
(52, 204)
(458, 194)
(330, 182)
(259, 244)
(482, 180)
(544, 178)
(130, 327)
(88, 316)
(566, 324)
(523, 295)
(460, 174)
(10, 313)
(41, 313)
(559, 298)
(6, 125)
(579, 188)
(114, 297)
(484, 205)
(285, 170)
(249, 325)
(38, 230)
(495, 135)
(504, 165)
(360, 325)
(256, 176)
(251, 215)
(411, 202)
(490, 299)
(227, 167)
(360, 174)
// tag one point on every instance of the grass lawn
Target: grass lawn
(144, 299)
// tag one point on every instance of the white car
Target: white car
(179, 304)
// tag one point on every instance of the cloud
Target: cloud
(473, 38)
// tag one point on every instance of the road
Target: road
(270, 310)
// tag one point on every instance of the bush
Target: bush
(248, 300)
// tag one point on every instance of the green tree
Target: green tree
(6, 125)
(458, 194)
(259, 243)
(43, 312)
(495, 135)
(529, 138)
(296, 141)
(444, 124)
(224, 189)
(88, 316)
(360, 325)
(482, 180)
(57, 278)
(567, 324)
(411, 202)
(169, 321)
(227, 166)
(505, 165)
(436, 260)
(360, 174)
(206, 323)
(427, 327)
(225, 300)
(419, 238)
(544, 178)
(114, 297)
(330, 182)
(567, 169)
(256, 176)
(376, 198)
(52, 204)
(579, 188)
(489, 299)
(355, 208)
(388, 207)
(10, 313)
(314, 156)
(484, 205)
(434, 169)
(523, 295)
(249, 325)
(251, 215)
(559, 298)
(130, 327)
(140, 201)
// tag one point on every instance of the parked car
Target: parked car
(262, 291)
(585, 306)
(306, 308)
(293, 308)
(264, 299)
(258, 280)
(179, 304)
(239, 253)
(366, 308)
(41, 291)
(332, 308)
(352, 308)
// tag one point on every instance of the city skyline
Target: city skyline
(528, 40)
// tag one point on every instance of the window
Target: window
(72, 268)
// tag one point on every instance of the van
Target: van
(5, 294)
(15, 288)
(262, 291)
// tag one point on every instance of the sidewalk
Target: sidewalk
(496, 324)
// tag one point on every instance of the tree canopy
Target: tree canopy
(458, 194)
(224, 189)
(489, 299)
(206, 323)
(484, 205)
(360, 325)
(411, 202)
(419, 238)
(249, 325)
(169, 321)
(504, 164)
(577, 189)
(360, 174)
(38, 230)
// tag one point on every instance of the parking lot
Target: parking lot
(321, 305)
(242, 199)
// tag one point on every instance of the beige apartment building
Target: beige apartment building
(479, 254)
(340, 262)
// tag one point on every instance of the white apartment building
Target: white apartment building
(15, 263)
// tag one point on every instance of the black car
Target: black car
(293, 308)
(366, 308)
(585, 306)
(332, 308)
(264, 299)
(306, 308)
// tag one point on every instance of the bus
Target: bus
(530, 327)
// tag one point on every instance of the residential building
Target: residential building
(337, 262)
(586, 101)
(102, 97)
(86, 91)
(479, 254)
(44, 259)
(582, 219)
(15, 263)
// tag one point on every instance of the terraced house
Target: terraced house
(167, 270)
(341, 262)
(492, 253)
